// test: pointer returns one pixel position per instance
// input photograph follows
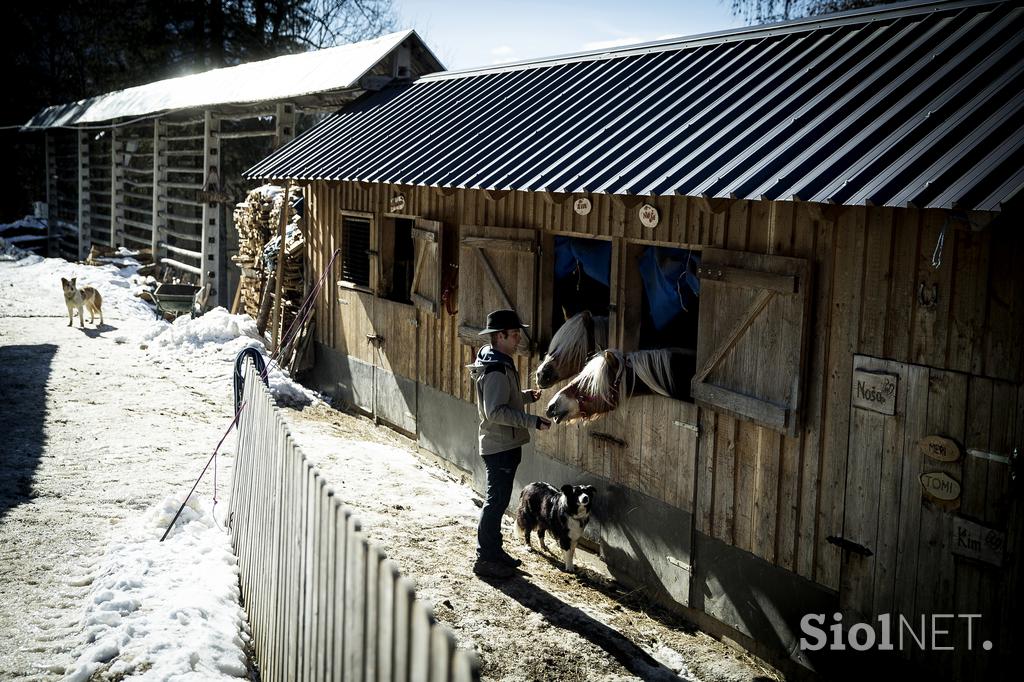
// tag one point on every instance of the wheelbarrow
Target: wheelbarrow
(173, 300)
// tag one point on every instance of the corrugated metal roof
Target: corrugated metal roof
(918, 104)
(280, 78)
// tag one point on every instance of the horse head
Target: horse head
(593, 392)
(572, 344)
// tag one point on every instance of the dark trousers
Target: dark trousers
(501, 472)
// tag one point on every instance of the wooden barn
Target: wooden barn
(157, 166)
(824, 213)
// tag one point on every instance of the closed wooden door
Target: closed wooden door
(928, 457)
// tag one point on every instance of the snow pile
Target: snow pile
(220, 335)
(29, 222)
(10, 252)
(164, 610)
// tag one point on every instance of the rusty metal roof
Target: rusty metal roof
(915, 104)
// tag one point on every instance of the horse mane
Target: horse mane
(594, 380)
(654, 368)
(569, 343)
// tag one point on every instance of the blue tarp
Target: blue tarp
(670, 281)
(593, 255)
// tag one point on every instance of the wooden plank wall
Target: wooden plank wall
(875, 293)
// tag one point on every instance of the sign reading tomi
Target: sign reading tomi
(648, 216)
(397, 203)
(940, 486)
(582, 206)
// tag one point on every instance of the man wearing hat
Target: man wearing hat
(504, 429)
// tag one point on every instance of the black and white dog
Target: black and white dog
(564, 513)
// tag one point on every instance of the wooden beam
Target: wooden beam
(424, 303)
(496, 194)
(418, 267)
(754, 279)
(499, 244)
(425, 235)
(742, 406)
(744, 322)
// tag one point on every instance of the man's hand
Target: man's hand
(543, 424)
(531, 395)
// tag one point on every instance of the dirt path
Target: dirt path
(93, 432)
(542, 625)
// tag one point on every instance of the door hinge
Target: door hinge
(686, 425)
(375, 340)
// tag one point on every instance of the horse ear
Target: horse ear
(609, 357)
(585, 314)
(567, 490)
(565, 313)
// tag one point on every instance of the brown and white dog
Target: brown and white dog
(564, 513)
(77, 298)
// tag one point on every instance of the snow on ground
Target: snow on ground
(165, 610)
(217, 336)
(154, 611)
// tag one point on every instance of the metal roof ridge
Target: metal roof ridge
(899, 9)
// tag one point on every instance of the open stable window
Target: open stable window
(581, 278)
(659, 306)
(397, 259)
(355, 250)
(670, 297)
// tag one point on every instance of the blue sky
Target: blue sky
(466, 34)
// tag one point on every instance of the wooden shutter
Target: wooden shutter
(752, 336)
(425, 290)
(497, 269)
(360, 263)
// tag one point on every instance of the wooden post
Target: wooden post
(159, 185)
(275, 331)
(210, 248)
(284, 124)
(116, 188)
(84, 237)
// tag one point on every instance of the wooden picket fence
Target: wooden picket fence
(324, 603)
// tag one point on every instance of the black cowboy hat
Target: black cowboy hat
(500, 320)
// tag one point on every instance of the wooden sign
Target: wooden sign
(938, 448)
(582, 206)
(397, 203)
(875, 391)
(648, 216)
(976, 541)
(940, 486)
